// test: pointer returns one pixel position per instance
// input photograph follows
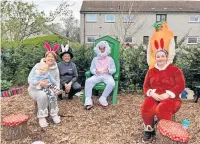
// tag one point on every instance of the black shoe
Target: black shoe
(153, 133)
(60, 97)
(147, 136)
(88, 107)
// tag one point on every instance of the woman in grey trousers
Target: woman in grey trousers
(45, 106)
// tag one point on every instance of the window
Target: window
(194, 18)
(192, 40)
(91, 18)
(128, 40)
(145, 40)
(109, 18)
(176, 42)
(129, 18)
(90, 39)
(161, 17)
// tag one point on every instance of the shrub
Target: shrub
(19, 58)
(82, 58)
(5, 85)
(133, 68)
(188, 60)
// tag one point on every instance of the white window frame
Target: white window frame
(87, 20)
(160, 17)
(193, 37)
(108, 21)
(132, 21)
(95, 37)
(194, 21)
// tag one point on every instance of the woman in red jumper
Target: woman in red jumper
(162, 86)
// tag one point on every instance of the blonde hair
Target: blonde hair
(44, 65)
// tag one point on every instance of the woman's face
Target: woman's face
(161, 58)
(66, 57)
(102, 49)
(50, 59)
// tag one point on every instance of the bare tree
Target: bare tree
(20, 20)
(184, 38)
(62, 11)
(72, 28)
(128, 20)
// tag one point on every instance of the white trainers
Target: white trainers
(43, 122)
(103, 101)
(56, 119)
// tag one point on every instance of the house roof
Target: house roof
(140, 6)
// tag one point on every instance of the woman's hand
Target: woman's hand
(68, 87)
(98, 72)
(106, 71)
(164, 96)
(43, 83)
(156, 96)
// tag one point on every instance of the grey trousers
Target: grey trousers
(45, 106)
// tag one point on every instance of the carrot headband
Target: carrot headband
(157, 24)
(161, 48)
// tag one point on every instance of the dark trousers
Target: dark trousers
(76, 87)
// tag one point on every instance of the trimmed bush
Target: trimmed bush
(188, 59)
(19, 58)
(133, 68)
(5, 85)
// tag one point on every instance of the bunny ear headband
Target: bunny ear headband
(66, 48)
(161, 48)
(48, 47)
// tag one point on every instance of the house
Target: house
(131, 21)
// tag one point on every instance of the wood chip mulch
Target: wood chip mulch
(119, 124)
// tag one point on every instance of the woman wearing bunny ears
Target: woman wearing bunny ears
(162, 86)
(44, 104)
(161, 32)
(102, 68)
(68, 73)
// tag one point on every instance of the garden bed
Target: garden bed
(120, 124)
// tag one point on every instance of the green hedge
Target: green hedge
(19, 58)
(133, 68)
(188, 59)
